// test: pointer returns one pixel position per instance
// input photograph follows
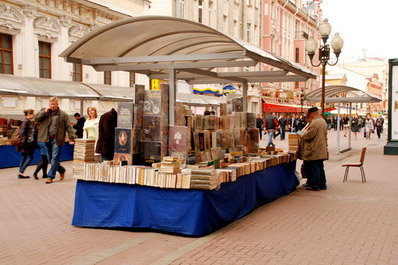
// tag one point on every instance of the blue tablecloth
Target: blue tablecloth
(189, 212)
(9, 157)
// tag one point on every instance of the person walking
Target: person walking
(282, 126)
(355, 126)
(346, 121)
(106, 134)
(259, 125)
(28, 145)
(271, 125)
(379, 127)
(314, 149)
(293, 123)
(54, 125)
(78, 126)
(369, 126)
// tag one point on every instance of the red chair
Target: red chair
(360, 165)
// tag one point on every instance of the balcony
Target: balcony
(301, 35)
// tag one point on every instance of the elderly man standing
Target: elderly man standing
(54, 124)
(314, 149)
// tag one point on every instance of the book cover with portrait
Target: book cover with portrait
(123, 141)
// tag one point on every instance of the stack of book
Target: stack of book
(204, 179)
(293, 141)
(84, 150)
(170, 165)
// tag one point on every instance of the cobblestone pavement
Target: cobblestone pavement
(350, 223)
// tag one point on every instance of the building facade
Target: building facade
(34, 32)
(287, 25)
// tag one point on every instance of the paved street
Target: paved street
(350, 223)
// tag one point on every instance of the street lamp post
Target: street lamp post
(324, 53)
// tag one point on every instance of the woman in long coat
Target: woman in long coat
(28, 146)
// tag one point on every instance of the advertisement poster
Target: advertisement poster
(393, 121)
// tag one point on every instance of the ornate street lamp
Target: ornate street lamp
(324, 53)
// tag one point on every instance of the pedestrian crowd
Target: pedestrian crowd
(50, 128)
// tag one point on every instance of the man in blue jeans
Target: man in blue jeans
(271, 125)
(54, 124)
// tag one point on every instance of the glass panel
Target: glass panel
(46, 63)
(1, 57)
(7, 57)
(8, 69)
(40, 63)
(46, 73)
(46, 49)
(7, 41)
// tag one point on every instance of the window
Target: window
(6, 61)
(108, 78)
(254, 107)
(210, 8)
(77, 72)
(200, 11)
(248, 25)
(297, 55)
(296, 84)
(44, 59)
(180, 7)
(132, 79)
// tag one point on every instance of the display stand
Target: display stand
(189, 212)
(9, 157)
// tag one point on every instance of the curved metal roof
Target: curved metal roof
(154, 44)
(352, 94)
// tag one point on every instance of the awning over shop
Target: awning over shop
(200, 100)
(283, 108)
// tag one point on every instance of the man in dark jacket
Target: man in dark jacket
(54, 125)
(282, 126)
(270, 125)
(106, 134)
(259, 125)
(78, 126)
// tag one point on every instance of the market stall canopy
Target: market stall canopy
(41, 87)
(200, 100)
(153, 45)
(342, 94)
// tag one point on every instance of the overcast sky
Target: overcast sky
(364, 24)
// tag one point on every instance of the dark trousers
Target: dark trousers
(261, 132)
(318, 177)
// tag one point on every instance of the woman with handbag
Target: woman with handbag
(28, 145)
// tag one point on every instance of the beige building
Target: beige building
(34, 32)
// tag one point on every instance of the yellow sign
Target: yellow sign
(155, 84)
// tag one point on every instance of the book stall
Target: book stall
(191, 178)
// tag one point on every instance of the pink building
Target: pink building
(287, 24)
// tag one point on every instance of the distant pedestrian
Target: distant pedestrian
(271, 125)
(259, 125)
(313, 149)
(282, 126)
(379, 127)
(42, 165)
(293, 123)
(78, 126)
(28, 145)
(369, 127)
(106, 134)
(54, 125)
(355, 126)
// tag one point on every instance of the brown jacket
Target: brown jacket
(314, 142)
(63, 127)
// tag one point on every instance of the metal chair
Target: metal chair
(360, 165)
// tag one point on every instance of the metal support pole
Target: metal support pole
(349, 127)
(245, 87)
(172, 96)
(338, 129)
(323, 88)
(81, 108)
